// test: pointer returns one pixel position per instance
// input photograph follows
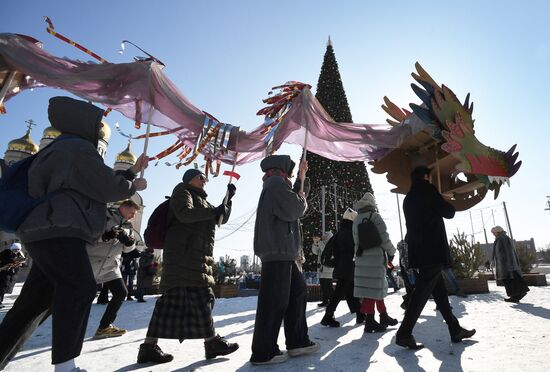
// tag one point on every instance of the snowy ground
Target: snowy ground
(509, 337)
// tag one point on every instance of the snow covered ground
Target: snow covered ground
(510, 337)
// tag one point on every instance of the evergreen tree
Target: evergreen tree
(351, 178)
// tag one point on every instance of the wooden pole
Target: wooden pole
(6, 86)
(304, 156)
(484, 230)
(146, 143)
(508, 221)
(226, 198)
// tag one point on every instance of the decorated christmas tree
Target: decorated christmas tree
(344, 182)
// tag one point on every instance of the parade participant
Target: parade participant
(507, 266)
(277, 242)
(428, 251)
(11, 260)
(344, 268)
(370, 266)
(105, 259)
(324, 272)
(56, 232)
(184, 311)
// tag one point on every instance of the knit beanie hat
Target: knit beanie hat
(190, 174)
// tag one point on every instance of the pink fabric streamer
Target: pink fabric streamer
(119, 86)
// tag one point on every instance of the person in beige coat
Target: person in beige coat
(370, 267)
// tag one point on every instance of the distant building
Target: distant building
(487, 249)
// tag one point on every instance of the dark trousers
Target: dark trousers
(118, 289)
(103, 297)
(344, 289)
(326, 289)
(129, 282)
(428, 282)
(282, 295)
(61, 280)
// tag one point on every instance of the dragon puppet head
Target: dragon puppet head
(445, 141)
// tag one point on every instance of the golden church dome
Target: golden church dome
(23, 144)
(126, 156)
(104, 131)
(51, 133)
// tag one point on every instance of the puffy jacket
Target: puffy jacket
(74, 169)
(105, 256)
(370, 267)
(277, 232)
(188, 251)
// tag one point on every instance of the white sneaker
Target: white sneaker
(311, 348)
(279, 358)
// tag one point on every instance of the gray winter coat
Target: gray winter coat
(370, 267)
(505, 257)
(277, 232)
(105, 255)
(75, 168)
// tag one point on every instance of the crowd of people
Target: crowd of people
(76, 243)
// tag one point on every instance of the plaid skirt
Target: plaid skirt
(183, 313)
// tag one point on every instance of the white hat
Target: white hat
(15, 246)
(327, 235)
(349, 214)
(366, 201)
(497, 229)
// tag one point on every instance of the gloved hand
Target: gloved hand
(109, 235)
(231, 190)
(128, 241)
(220, 210)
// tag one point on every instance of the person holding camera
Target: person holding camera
(105, 258)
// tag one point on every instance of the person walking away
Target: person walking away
(11, 260)
(105, 259)
(324, 272)
(507, 266)
(146, 273)
(184, 311)
(55, 233)
(128, 269)
(428, 252)
(344, 268)
(370, 267)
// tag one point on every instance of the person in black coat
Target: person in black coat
(428, 250)
(344, 252)
(129, 268)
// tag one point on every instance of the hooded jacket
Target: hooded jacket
(277, 232)
(74, 169)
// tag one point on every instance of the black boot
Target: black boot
(329, 321)
(152, 353)
(462, 334)
(372, 325)
(360, 318)
(218, 346)
(407, 341)
(386, 320)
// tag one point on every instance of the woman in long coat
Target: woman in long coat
(370, 267)
(507, 266)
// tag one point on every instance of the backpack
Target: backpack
(15, 201)
(327, 257)
(368, 235)
(155, 232)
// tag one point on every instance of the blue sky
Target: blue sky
(225, 57)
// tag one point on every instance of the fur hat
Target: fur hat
(349, 214)
(366, 201)
(190, 174)
(15, 246)
(497, 229)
